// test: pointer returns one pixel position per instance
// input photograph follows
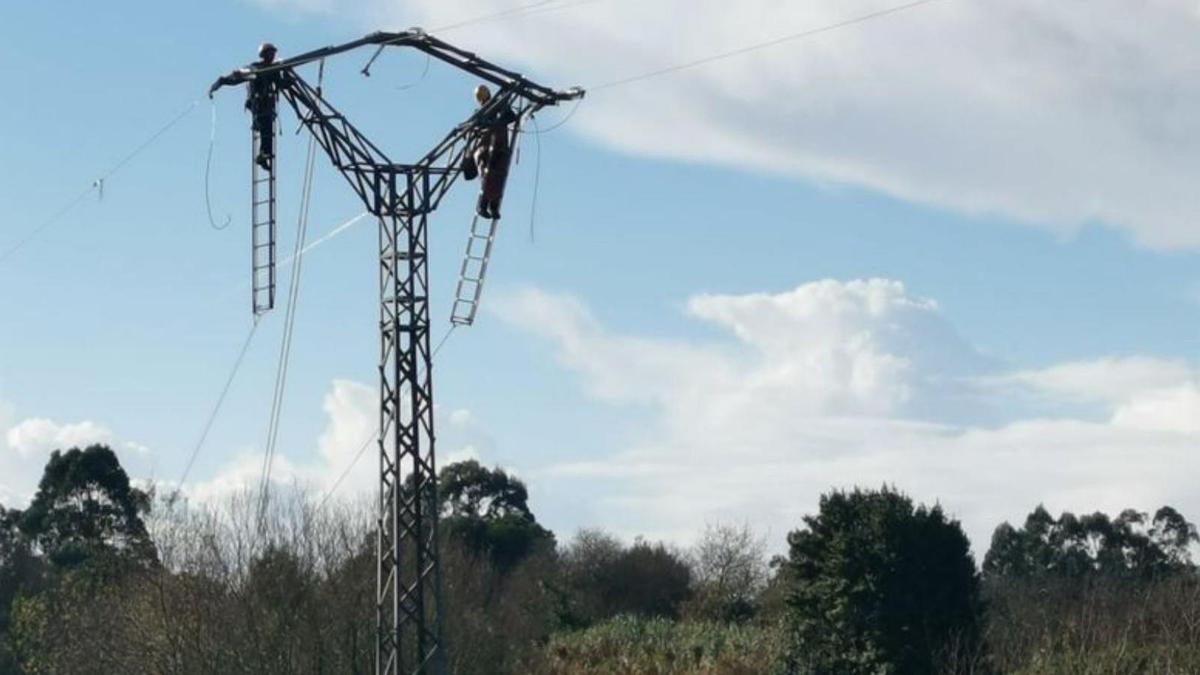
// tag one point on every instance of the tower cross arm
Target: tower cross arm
(466, 61)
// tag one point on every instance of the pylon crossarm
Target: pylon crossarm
(443, 51)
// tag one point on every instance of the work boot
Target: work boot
(264, 161)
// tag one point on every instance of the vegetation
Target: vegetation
(96, 576)
(640, 646)
(880, 586)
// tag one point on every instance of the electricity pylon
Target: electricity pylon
(409, 607)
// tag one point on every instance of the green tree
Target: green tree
(1132, 546)
(878, 586)
(488, 510)
(21, 572)
(604, 579)
(85, 508)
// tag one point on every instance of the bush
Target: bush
(629, 645)
(729, 565)
(878, 586)
(604, 579)
(1104, 625)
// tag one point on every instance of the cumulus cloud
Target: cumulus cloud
(28, 443)
(345, 464)
(1059, 114)
(835, 384)
(39, 436)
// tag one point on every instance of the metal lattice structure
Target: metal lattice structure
(409, 607)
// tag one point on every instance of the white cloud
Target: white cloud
(39, 436)
(1107, 380)
(347, 445)
(858, 383)
(27, 445)
(1170, 409)
(1058, 114)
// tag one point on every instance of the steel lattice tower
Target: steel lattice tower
(409, 607)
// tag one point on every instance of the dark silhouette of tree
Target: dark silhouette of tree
(1133, 546)
(488, 510)
(85, 507)
(604, 579)
(21, 572)
(878, 586)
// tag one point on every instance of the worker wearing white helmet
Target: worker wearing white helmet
(490, 151)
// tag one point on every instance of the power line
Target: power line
(212, 143)
(544, 7)
(346, 472)
(212, 416)
(494, 15)
(761, 45)
(285, 346)
(571, 113)
(537, 177)
(98, 183)
(375, 435)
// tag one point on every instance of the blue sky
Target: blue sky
(966, 265)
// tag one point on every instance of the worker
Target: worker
(261, 96)
(491, 152)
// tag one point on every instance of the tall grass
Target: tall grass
(629, 645)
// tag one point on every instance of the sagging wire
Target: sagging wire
(863, 18)
(537, 178)
(212, 142)
(346, 472)
(285, 347)
(570, 113)
(419, 80)
(212, 416)
(98, 182)
(374, 437)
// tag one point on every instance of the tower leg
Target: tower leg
(408, 608)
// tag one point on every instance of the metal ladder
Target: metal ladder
(262, 233)
(474, 269)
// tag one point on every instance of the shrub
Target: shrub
(878, 586)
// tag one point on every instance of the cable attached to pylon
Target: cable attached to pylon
(757, 46)
(375, 434)
(374, 437)
(674, 68)
(570, 113)
(98, 183)
(420, 79)
(212, 142)
(285, 346)
(212, 416)
(537, 179)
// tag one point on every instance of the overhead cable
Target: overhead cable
(761, 45)
(212, 415)
(98, 183)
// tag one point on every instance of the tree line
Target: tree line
(99, 576)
